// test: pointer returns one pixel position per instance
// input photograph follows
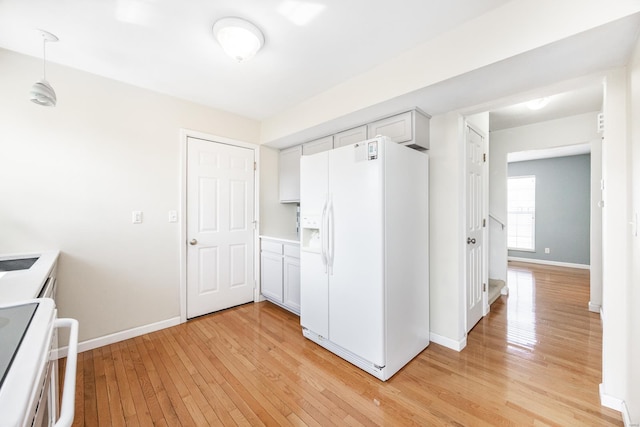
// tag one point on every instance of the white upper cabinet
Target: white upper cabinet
(289, 171)
(350, 136)
(317, 146)
(410, 128)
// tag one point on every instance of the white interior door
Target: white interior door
(475, 157)
(220, 226)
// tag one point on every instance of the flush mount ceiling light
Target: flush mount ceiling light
(537, 104)
(41, 92)
(239, 38)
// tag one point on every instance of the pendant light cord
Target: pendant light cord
(44, 59)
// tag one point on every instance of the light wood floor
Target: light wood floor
(535, 360)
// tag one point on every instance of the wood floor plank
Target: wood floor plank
(89, 402)
(102, 393)
(168, 413)
(116, 411)
(534, 360)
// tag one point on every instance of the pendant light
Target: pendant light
(41, 92)
(239, 38)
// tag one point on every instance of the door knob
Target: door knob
(471, 241)
(193, 242)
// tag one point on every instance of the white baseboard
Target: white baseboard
(610, 401)
(119, 336)
(594, 307)
(448, 342)
(617, 405)
(626, 417)
(546, 262)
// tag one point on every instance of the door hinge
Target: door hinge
(484, 287)
(484, 157)
(484, 222)
(255, 166)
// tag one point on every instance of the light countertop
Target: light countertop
(284, 239)
(22, 285)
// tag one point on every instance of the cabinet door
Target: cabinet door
(271, 276)
(317, 146)
(399, 128)
(289, 169)
(291, 279)
(350, 136)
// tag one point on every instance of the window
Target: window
(521, 211)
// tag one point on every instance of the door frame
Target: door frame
(485, 215)
(182, 215)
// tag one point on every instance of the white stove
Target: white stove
(27, 394)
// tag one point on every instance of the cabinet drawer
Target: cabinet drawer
(273, 247)
(292, 251)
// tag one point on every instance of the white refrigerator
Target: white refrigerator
(364, 253)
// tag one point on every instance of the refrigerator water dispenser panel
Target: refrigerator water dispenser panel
(310, 239)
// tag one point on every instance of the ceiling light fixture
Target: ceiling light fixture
(41, 92)
(239, 38)
(537, 104)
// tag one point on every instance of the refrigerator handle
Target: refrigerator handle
(330, 236)
(323, 236)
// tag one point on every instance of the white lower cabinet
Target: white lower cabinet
(291, 277)
(280, 273)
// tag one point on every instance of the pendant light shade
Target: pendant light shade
(41, 92)
(240, 39)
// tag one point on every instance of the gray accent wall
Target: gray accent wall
(562, 207)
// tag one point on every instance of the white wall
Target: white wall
(276, 219)
(71, 175)
(554, 133)
(615, 218)
(632, 395)
(446, 229)
(595, 271)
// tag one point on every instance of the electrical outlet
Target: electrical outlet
(547, 250)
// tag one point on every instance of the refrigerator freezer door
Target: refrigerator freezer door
(356, 280)
(314, 286)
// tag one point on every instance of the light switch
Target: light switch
(173, 216)
(136, 217)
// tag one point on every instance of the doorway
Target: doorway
(218, 238)
(475, 220)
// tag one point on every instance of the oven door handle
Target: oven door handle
(67, 407)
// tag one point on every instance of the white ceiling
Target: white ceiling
(582, 100)
(167, 45)
(547, 153)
